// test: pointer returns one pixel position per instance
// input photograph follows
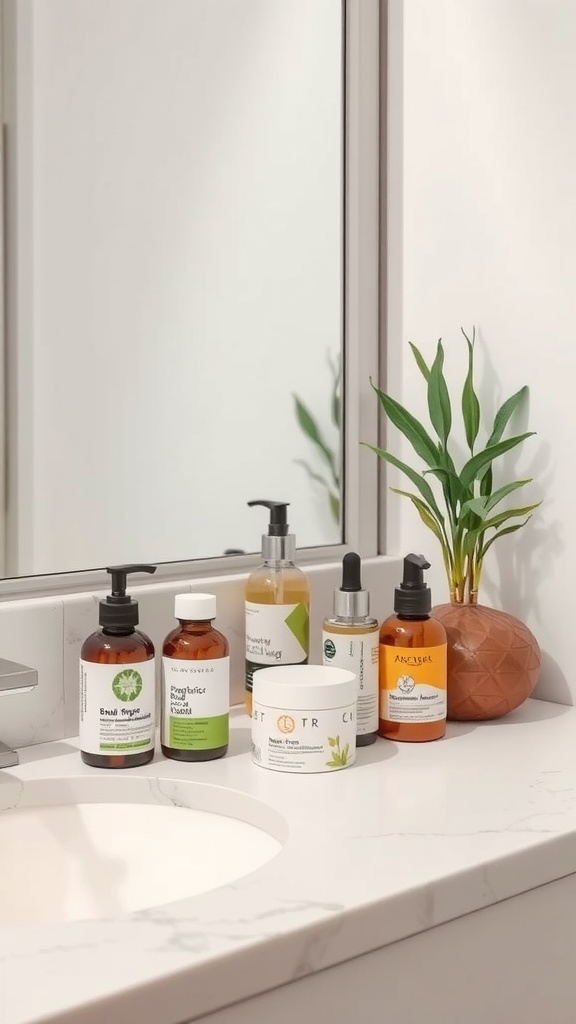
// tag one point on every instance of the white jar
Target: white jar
(304, 718)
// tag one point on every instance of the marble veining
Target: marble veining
(409, 838)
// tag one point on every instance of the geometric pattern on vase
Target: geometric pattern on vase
(493, 661)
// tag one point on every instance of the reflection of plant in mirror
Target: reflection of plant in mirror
(339, 757)
(327, 455)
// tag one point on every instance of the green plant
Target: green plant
(463, 519)
(339, 757)
(328, 456)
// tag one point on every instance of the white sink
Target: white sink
(80, 848)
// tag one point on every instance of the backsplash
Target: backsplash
(47, 634)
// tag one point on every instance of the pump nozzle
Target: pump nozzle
(278, 526)
(412, 597)
(119, 609)
(278, 544)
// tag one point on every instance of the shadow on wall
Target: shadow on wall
(552, 684)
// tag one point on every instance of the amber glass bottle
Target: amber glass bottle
(195, 683)
(117, 683)
(412, 663)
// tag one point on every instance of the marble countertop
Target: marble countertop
(410, 837)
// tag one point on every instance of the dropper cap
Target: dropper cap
(118, 609)
(413, 597)
(277, 545)
(351, 602)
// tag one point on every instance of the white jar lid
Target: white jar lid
(195, 607)
(304, 687)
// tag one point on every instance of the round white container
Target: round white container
(304, 718)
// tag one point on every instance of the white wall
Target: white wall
(483, 230)
(179, 257)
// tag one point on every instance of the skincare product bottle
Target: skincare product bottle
(195, 683)
(412, 662)
(117, 683)
(277, 602)
(350, 640)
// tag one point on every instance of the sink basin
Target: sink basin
(81, 848)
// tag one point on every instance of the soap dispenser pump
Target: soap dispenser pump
(413, 662)
(117, 682)
(277, 602)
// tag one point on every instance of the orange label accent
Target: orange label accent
(413, 684)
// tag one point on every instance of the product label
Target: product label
(413, 684)
(303, 741)
(117, 707)
(357, 652)
(195, 703)
(276, 634)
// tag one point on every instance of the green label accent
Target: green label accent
(127, 685)
(125, 746)
(329, 649)
(197, 733)
(298, 623)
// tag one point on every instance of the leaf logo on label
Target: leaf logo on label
(127, 685)
(298, 622)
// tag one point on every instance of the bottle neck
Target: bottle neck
(195, 625)
(118, 630)
(412, 618)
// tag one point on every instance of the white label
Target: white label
(303, 741)
(117, 707)
(428, 704)
(357, 652)
(276, 634)
(195, 703)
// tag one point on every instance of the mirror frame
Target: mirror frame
(364, 39)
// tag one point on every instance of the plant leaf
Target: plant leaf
(416, 478)
(471, 470)
(334, 502)
(502, 533)
(438, 398)
(317, 477)
(332, 764)
(420, 362)
(486, 482)
(345, 752)
(470, 403)
(503, 492)
(331, 741)
(335, 404)
(408, 425)
(505, 413)
(458, 492)
(309, 426)
(423, 511)
(511, 513)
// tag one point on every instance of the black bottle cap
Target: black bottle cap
(413, 597)
(118, 609)
(350, 601)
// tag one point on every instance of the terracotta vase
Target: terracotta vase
(493, 661)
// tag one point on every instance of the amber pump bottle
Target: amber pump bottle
(195, 683)
(277, 602)
(117, 683)
(412, 662)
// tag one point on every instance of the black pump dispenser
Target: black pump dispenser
(277, 544)
(118, 610)
(413, 597)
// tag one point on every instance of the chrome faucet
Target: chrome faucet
(14, 678)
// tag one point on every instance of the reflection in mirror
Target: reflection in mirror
(174, 244)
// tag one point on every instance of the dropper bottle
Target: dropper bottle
(413, 662)
(277, 602)
(117, 683)
(350, 640)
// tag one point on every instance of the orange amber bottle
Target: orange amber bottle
(412, 663)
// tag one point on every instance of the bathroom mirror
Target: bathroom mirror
(174, 277)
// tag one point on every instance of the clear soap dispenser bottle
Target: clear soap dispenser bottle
(277, 602)
(117, 683)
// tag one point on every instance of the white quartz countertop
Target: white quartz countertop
(412, 836)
